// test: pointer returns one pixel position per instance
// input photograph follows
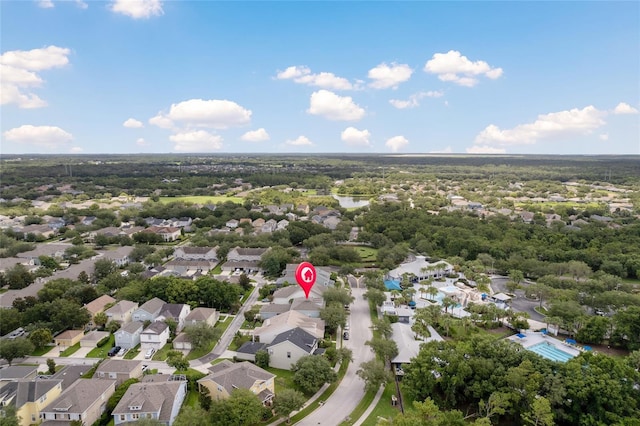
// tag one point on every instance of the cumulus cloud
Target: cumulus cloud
(138, 9)
(214, 113)
(624, 108)
(454, 67)
(385, 76)
(19, 70)
(303, 75)
(49, 137)
(132, 123)
(46, 4)
(574, 121)
(196, 141)
(299, 141)
(485, 149)
(396, 143)
(414, 100)
(256, 135)
(354, 137)
(142, 142)
(334, 107)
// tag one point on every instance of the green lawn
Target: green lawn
(132, 353)
(101, 352)
(202, 199)
(367, 399)
(161, 355)
(41, 351)
(70, 350)
(367, 254)
(284, 379)
(383, 408)
(223, 324)
(192, 399)
(198, 353)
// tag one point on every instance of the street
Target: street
(519, 303)
(351, 390)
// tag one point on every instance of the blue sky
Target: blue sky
(137, 76)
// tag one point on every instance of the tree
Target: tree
(448, 302)
(311, 372)
(204, 397)
(384, 349)
(540, 414)
(382, 326)
(83, 277)
(375, 374)
(245, 282)
(9, 415)
(102, 268)
(176, 360)
(51, 364)
(242, 408)
(192, 416)
(337, 295)
(40, 337)
(10, 319)
(334, 316)
(201, 334)
(16, 348)
(375, 297)
(274, 261)
(288, 401)
(262, 358)
(100, 319)
(18, 277)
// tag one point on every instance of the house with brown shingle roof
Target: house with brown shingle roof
(227, 376)
(122, 311)
(98, 305)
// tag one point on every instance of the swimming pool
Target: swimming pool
(550, 351)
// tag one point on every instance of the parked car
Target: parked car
(345, 335)
(121, 352)
(149, 353)
(114, 351)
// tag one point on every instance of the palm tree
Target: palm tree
(432, 291)
(448, 302)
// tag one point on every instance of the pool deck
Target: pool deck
(534, 338)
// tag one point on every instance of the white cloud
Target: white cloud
(132, 123)
(354, 137)
(624, 108)
(142, 142)
(299, 141)
(574, 121)
(76, 149)
(214, 113)
(396, 143)
(256, 135)
(43, 136)
(334, 107)
(196, 141)
(485, 149)
(46, 4)
(303, 75)
(385, 76)
(414, 100)
(604, 137)
(18, 69)
(454, 67)
(138, 9)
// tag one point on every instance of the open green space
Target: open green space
(367, 254)
(202, 199)
(383, 409)
(284, 379)
(101, 351)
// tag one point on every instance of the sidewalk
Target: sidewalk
(370, 408)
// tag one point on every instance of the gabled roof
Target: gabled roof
(69, 334)
(275, 307)
(97, 305)
(200, 314)
(172, 310)
(155, 328)
(196, 250)
(251, 347)
(131, 327)
(240, 375)
(21, 392)
(118, 366)
(151, 397)
(122, 307)
(305, 305)
(293, 319)
(118, 253)
(298, 337)
(153, 306)
(80, 395)
(250, 251)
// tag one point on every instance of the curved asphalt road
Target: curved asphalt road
(519, 303)
(351, 390)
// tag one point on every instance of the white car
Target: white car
(149, 353)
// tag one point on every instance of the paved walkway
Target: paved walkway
(370, 408)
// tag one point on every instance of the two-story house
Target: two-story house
(149, 311)
(288, 321)
(288, 347)
(175, 311)
(119, 256)
(227, 376)
(119, 370)
(160, 401)
(128, 336)
(207, 316)
(29, 397)
(98, 305)
(196, 253)
(122, 311)
(85, 400)
(155, 336)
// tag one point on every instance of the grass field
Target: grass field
(202, 199)
(197, 353)
(41, 351)
(384, 408)
(101, 352)
(367, 254)
(70, 350)
(367, 399)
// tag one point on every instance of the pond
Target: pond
(351, 202)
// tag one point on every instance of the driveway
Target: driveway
(351, 390)
(519, 303)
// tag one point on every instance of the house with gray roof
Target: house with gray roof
(307, 307)
(121, 311)
(288, 347)
(208, 316)
(323, 277)
(175, 311)
(227, 376)
(119, 370)
(421, 269)
(160, 401)
(273, 309)
(128, 336)
(286, 321)
(85, 400)
(16, 372)
(155, 336)
(55, 251)
(247, 352)
(119, 256)
(246, 254)
(29, 397)
(149, 311)
(196, 253)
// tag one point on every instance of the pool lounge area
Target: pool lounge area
(546, 346)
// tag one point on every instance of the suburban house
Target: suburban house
(196, 253)
(119, 370)
(323, 277)
(128, 336)
(119, 256)
(227, 376)
(248, 350)
(91, 339)
(233, 223)
(168, 233)
(239, 254)
(16, 372)
(273, 309)
(68, 338)
(288, 347)
(155, 336)
(84, 400)
(160, 401)
(288, 321)
(121, 311)
(284, 296)
(55, 251)
(149, 311)
(29, 397)
(38, 230)
(175, 311)
(202, 315)
(190, 266)
(98, 305)
(182, 343)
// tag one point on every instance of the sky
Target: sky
(153, 76)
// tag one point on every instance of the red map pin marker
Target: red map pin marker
(306, 277)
